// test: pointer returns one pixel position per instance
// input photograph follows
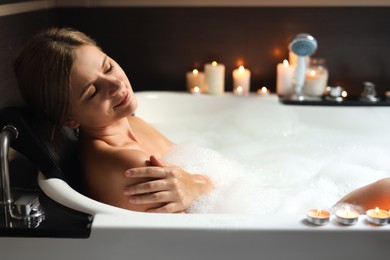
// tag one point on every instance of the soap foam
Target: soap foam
(265, 163)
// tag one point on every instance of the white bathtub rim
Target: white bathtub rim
(110, 217)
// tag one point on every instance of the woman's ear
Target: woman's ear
(72, 123)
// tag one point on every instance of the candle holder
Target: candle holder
(316, 78)
(378, 216)
(347, 216)
(318, 217)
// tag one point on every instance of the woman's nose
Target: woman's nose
(114, 86)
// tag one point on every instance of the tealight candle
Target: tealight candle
(195, 90)
(318, 216)
(284, 79)
(238, 90)
(194, 78)
(241, 78)
(378, 216)
(263, 91)
(215, 77)
(347, 216)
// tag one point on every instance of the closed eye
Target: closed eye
(92, 92)
(109, 69)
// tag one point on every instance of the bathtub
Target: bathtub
(121, 234)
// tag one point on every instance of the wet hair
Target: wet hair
(43, 71)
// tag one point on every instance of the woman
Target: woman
(63, 74)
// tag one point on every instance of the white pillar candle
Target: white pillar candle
(315, 82)
(215, 77)
(195, 78)
(284, 79)
(241, 78)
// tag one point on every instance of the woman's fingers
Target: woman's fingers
(168, 208)
(147, 187)
(148, 198)
(156, 162)
(147, 172)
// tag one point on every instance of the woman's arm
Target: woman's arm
(104, 178)
(171, 185)
(373, 195)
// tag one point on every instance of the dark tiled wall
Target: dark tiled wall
(157, 46)
(15, 30)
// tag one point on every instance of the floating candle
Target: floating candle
(241, 77)
(318, 216)
(215, 77)
(194, 78)
(347, 216)
(378, 216)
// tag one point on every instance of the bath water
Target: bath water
(278, 159)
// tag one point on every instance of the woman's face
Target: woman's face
(101, 92)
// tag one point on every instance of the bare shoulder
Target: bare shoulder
(104, 171)
(141, 126)
(102, 156)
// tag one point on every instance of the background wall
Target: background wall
(16, 26)
(156, 46)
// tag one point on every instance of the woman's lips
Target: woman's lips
(124, 100)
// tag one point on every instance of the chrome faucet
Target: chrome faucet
(26, 209)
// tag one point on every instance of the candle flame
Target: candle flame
(344, 94)
(239, 89)
(347, 210)
(319, 212)
(214, 63)
(313, 73)
(285, 63)
(264, 89)
(241, 69)
(377, 210)
(195, 71)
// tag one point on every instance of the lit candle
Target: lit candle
(215, 77)
(347, 216)
(315, 82)
(263, 91)
(194, 78)
(318, 216)
(378, 216)
(241, 78)
(284, 77)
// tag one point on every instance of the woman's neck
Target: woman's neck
(118, 134)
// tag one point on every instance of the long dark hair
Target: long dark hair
(43, 71)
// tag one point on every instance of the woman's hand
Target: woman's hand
(170, 185)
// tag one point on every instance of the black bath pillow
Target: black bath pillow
(34, 142)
